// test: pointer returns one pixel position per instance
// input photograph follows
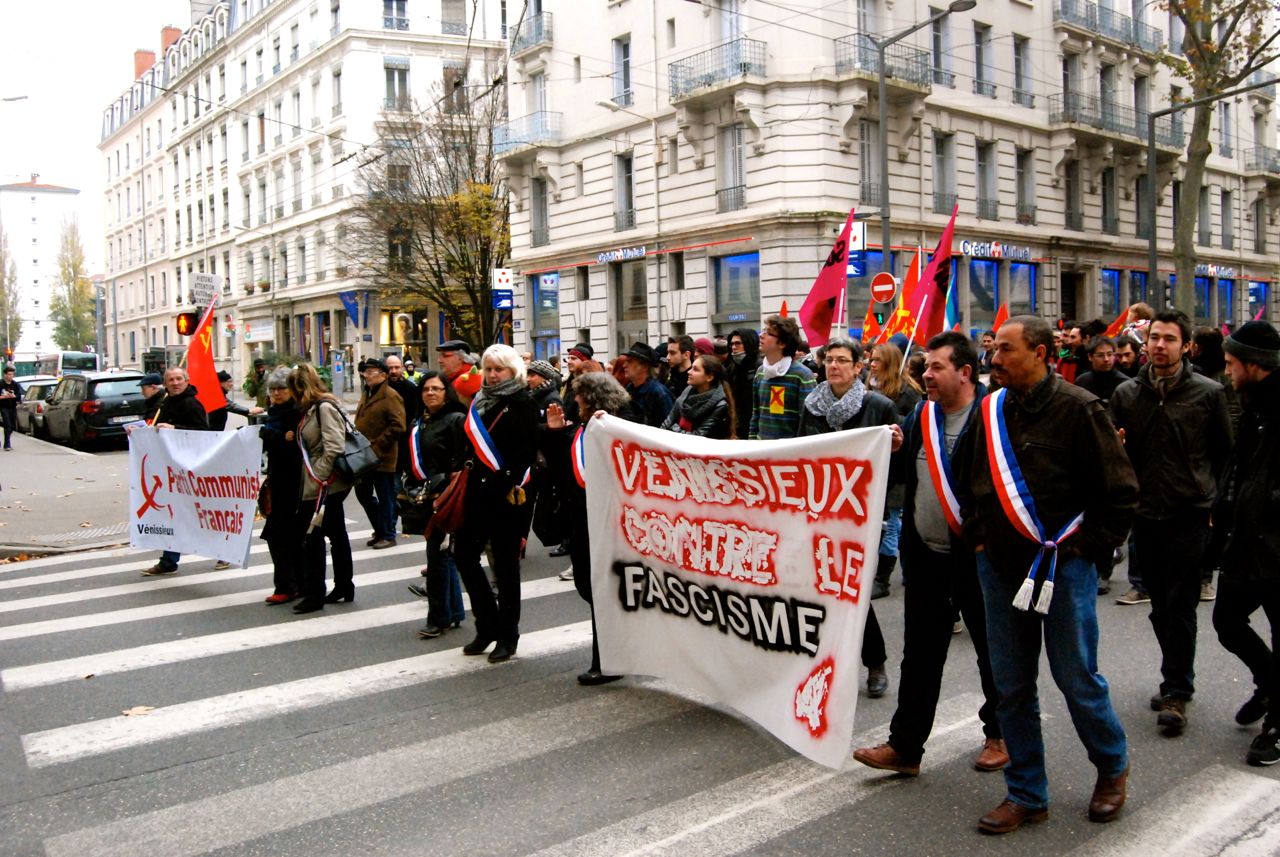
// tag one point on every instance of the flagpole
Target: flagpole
(924, 303)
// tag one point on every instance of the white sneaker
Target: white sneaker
(567, 574)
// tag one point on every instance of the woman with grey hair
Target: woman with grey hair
(279, 497)
(595, 392)
(503, 432)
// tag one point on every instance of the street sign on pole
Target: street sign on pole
(204, 287)
(884, 287)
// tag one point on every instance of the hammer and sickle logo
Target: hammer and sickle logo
(149, 497)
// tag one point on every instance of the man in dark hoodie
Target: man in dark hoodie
(179, 409)
(744, 360)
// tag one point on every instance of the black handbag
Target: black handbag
(357, 457)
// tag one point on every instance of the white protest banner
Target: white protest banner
(737, 569)
(194, 491)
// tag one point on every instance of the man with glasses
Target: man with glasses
(1102, 377)
(741, 365)
(782, 383)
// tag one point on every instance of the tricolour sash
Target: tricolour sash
(933, 430)
(486, 449)
(579, 457)
(415, 454)
(1019, 506)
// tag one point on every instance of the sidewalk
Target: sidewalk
(55, 499)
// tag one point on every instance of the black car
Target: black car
(90, 406)
(34, 401)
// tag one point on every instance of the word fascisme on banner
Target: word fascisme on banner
(737, 569)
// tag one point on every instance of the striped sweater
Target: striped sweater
(775, 411)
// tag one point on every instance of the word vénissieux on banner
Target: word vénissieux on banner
(194, 492)
(737, 569)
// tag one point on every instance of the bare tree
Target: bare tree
(10, 312)
(1224, 43)
(71, 306)
(434, 221)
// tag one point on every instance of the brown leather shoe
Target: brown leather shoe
(993, 757)
(1009, 816)
(884, 758)
(1108, 797)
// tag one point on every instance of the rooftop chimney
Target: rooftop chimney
(142, 60)
(168, 35)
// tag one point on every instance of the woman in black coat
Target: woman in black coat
(744, 360)
(705, 407)
(494, 494)
(284, 475)
(437, 448)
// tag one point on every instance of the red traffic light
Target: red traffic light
(186, 323)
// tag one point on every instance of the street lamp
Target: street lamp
(881, 46)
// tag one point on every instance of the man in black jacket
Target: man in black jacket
(1102, 377)
(744, 360)
(218, 417)
(1248, 512)
(179, 409)
(650, 400)
(938, 570)
(1177, 433)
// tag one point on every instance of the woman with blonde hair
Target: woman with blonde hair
(321, 435)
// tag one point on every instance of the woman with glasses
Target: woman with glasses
(436, 450)
(839, 403)
(284, 473)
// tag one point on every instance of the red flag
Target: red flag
(903, 317)
(821, 306)
(1261, 310)
(783, 312)
(1002, 315)
(932, 303)
(200, 368)
(870, 327)
(1116, 326)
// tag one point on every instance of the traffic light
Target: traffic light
(186, 323)
(879, 317)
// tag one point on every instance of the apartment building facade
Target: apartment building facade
(243, 144)
(679, 167)
(32, 215)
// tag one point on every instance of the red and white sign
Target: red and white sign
(884, 287)
(503, 278)
(739, 570)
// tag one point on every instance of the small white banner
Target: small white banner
(194, 492)
(740, 569)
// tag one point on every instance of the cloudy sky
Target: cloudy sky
(71, 60)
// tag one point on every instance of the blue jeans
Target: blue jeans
(891, 531)
(1070, 634)
(377, 494)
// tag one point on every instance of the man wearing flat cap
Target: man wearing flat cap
(650, 401)
(458, 365)
(255, 386)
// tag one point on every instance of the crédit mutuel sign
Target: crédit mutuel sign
(995, 250)
(622, 254)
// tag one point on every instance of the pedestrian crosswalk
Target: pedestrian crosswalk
(247, 703)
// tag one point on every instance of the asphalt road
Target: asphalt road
(342, 733)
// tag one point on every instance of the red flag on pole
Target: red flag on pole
(1261, 310)
(934, 282)
(903, 317)
(1002, 315)
(870, 327)
(1118, 325)
(200, 368)
(783, 312)
(820, 307)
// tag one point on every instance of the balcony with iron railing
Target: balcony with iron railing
(944, 203)
(943, 77)
(984, 87)
(869, 192)
(1226, 146)
(624, 219)
(716, 67)
(453, 28)
(539, 236)
(1024, 97)
(394, 22)
(396, 103)
(1026, 214)
(1143, 229)
(1111, 224)
(1263, 76)
(1262, 159)
(1113, 118)
(625, 98)
(1204, 236)
(534, 32)
(988, 208)
(532, 130)
(856, 53)
(1229, 241)
(1108, 23)
(731, 198)
(1074, 219)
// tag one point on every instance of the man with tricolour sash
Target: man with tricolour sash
(938, 570)
(1052, 493)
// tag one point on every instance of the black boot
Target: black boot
(884, 569)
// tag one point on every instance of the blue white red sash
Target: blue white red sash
(486, 449)
(1019, 506)
(933, 430)
(579, 456)
(415, 454)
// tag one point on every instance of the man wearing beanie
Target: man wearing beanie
(1246, 516)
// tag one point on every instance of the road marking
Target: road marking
(1220, 811)
(744, 813)
(201, 826)
(96, 737)
(245, 639)
(177, 581)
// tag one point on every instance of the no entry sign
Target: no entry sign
(884, 287)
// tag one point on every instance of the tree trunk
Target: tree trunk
(1184, 243)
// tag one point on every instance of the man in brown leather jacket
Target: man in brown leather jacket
(380, 417)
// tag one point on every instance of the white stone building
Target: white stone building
(246, 136)
(681, 167)
(32, 215)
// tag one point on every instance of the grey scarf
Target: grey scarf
(696, 407)
(491, 395)
(822, 402)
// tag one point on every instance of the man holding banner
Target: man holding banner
(1052, 493)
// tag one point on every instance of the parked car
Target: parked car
(91, 406)
(34, 401)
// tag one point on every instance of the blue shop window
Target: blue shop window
(1259, 291)
(1227, 301)
(1137, 287)
(984, 277)
(858, 293)
(1024, 284)
(1203, 300)
(737, 283)
(1110, 292)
